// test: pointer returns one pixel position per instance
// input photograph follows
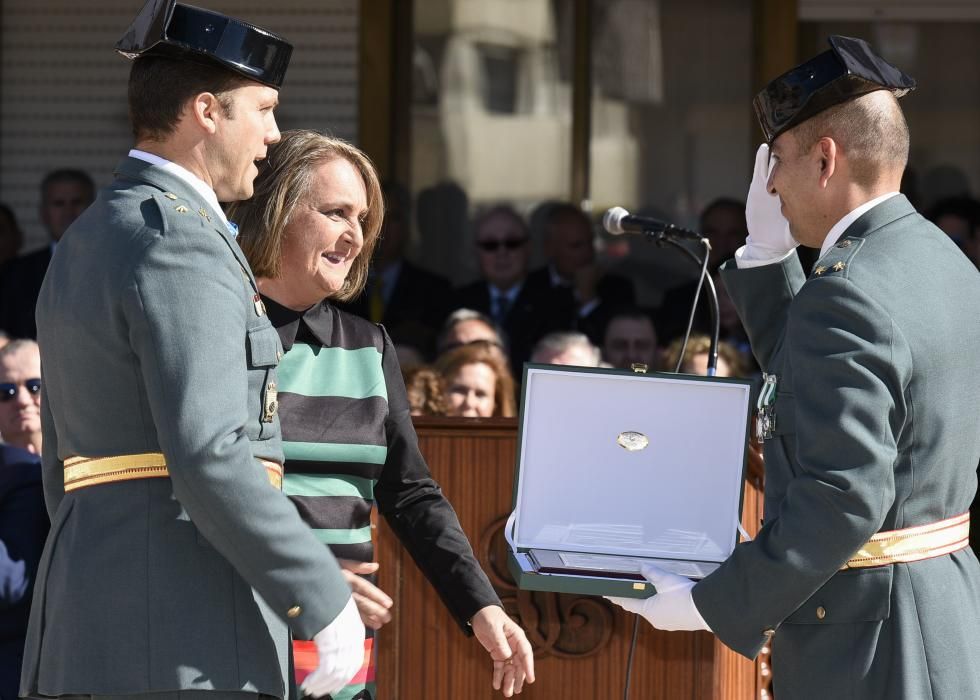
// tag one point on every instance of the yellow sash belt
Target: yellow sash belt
(89, 471)
(913, 543)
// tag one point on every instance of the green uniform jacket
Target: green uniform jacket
(151, 342)
(877, 416)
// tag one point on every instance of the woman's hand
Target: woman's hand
(513, 660)
(373, 604)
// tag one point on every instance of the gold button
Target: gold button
(844, 244)
(821, 612)
(294, 611)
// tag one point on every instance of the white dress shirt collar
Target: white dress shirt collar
(199, 185)
(838, 229)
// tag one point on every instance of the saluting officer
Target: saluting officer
(861, 572)
(175, 564)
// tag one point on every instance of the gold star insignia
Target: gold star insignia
(181, 209)
(838, 266)
(820, 270)
(204, 213)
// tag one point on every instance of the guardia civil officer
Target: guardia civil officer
(175, 564)
(861, 574)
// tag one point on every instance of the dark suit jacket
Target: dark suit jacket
(614, 292)
(537, 311)
(418, 304)
(23, 528)
(20, 283)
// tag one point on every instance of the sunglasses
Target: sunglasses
(8, 390)
(494, 246)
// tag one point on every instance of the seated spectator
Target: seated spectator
(409, 300)
(630, 338)
(959, 218)
(464, 326)
(524, 311)
(730, 361)
(426, 392)
(20, 395)
(566, 348)
(65, 194)
(722, 222)
(572, 271)
(11, 237)
(478, 381)
(23, 517)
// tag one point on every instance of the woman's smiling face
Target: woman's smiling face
(324, 234)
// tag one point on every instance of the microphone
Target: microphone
(618, 221)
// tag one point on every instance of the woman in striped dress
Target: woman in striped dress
(348, 438)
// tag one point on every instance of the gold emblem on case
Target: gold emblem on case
(632, 441)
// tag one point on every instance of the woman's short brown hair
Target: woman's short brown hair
(480, 351)
(285, 179)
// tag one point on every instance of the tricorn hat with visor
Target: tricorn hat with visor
(164, 27)
(848, 70)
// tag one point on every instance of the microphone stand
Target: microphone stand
(667, 235)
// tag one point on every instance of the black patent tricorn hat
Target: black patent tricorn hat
(164, 27)
(850, 69)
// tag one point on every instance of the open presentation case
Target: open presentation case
(618, 468)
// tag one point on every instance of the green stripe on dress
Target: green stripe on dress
(355, 374)
(334, 452)
(327, 485)
(343, 536)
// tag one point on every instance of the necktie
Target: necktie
(503, 308)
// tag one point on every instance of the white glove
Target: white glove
(769, 237)
(671, 608)
(340, 647)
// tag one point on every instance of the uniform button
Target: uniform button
(844, 244)
(294, 611)
(821, 612)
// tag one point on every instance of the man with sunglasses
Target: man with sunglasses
(861, 575)
(525, 311)
(20, 395)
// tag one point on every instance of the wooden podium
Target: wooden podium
(581, 643)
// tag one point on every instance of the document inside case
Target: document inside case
(614, 566)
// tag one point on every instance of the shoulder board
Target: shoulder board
(835, 261)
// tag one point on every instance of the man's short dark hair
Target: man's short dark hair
(160, 86)
(79, 177)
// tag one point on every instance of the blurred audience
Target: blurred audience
(478, 382)
(11, 237)
(23, 517)
(426, 391)
(591, 294)
(410, 301)
(4, 339)
(959, 218)
(566, 348)
(630, 338)
(722, 222)
(731, 363)
(65, 194)
(20, 395)
(465, 326)
(525, 312)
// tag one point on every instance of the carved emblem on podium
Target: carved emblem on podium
(564, 625)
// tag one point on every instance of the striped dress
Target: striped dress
(349, 443)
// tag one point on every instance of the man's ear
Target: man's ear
(205, 109)
(828, 153)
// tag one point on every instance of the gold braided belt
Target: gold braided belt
(913, 543)
(89, 471)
